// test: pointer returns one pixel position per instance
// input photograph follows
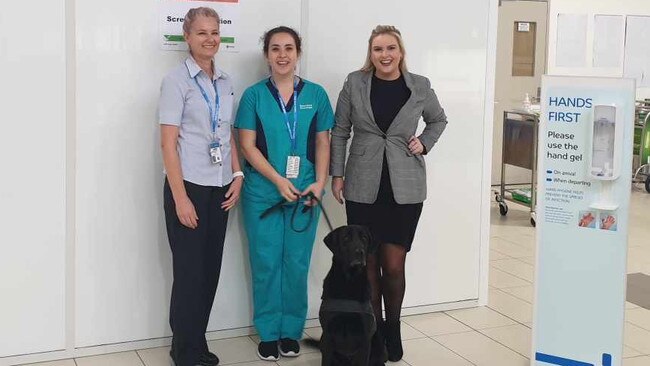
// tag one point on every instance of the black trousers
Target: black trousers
(196, 255)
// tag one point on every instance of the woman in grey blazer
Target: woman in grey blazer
(384, 180)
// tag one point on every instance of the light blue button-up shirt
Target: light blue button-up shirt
(182, 104)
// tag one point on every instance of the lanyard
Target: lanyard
(214, 113)
(290, 129)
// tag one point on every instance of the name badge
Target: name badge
(215, 153)
(293, 167)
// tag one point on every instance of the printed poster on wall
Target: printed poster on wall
(171, 15)
(584, 180)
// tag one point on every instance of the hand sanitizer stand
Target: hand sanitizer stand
(585, 160)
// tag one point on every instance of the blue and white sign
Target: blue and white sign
(585, 165)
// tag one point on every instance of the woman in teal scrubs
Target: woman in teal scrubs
(283, 124)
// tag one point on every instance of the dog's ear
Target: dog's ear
(330, 240)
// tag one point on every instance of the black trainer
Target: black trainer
(268, 351)
(289, 347)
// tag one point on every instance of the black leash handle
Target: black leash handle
(320, 204)
(310, 196)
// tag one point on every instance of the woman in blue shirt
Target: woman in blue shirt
(202, 184)
(283, 124)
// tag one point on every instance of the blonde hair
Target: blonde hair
(390, 30)
(193, 13)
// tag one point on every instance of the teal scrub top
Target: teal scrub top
(260, 110)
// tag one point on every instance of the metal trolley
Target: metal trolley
(641, 165)
(520, 150)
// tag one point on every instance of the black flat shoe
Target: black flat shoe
(207, 359)
(394, 341)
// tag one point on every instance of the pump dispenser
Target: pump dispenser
(605, 154)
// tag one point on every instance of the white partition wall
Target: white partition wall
(32, 188)
(449, 45)
(112, 292)
(123, 277)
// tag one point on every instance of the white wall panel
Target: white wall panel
(122, 264)
(591, 8)
(32, 188)
(448, 45)
(123, 275)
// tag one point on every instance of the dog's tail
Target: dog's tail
(312, 342)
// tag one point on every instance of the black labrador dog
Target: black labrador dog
(346, 314)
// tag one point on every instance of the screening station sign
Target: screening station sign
(585, 165)
(172, 12)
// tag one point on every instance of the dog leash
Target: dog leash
(306, 208)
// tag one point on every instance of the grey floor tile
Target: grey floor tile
(509, 248)
(481, 350)
(435, 324)
(480, 318)
(495, 256)
(516, 337)
(398, 363)
(234, 350)
(499, 279)
(629, 352)
(68, 362)
(526, 293)
(427, 352)
(516, 268)
(155, 356)
(637, 338)
(408, 332)
(314, 333)
(310, 359)
(510, 306)
(637, 361)
(639, 317)
(112, 359)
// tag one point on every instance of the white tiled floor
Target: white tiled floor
(496, 335)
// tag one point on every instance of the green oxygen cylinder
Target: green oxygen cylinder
(642, 137)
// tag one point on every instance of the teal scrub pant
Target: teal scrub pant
(279, 258)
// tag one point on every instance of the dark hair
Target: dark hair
(266, 38)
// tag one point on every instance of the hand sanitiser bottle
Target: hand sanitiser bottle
(605, 154)
(604, 135)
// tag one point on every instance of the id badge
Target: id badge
(215, 153)
(293, 167)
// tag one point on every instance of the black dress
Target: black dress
(389, 221)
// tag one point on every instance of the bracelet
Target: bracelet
(238, 173)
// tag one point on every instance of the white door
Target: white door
(514, 17)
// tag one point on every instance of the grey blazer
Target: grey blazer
(369, 144)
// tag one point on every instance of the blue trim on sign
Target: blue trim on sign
(560, 361)
(607, 359)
